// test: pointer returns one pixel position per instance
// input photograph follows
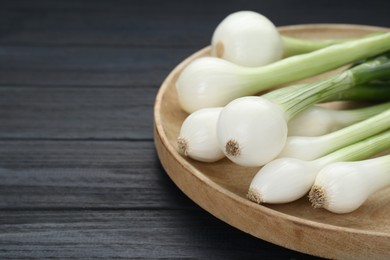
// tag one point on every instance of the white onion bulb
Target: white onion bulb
(283, 180)
(343, 187)
(314, 121)
(248, 39)
(251, 131)
(198, 139)
(210, 82)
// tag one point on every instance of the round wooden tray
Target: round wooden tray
(220, 188)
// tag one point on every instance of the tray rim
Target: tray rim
(162, 143)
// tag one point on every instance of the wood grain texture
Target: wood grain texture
(72, 112)
(84, 175)
(221, 187)
(161, 23)
(127, 234)
(87, 66)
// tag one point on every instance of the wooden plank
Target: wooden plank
(154, 23)
(42, 77)
(82, 66)
(83, 175)
(77, 112)
(105, 23)
(128, 234)
(91, 58)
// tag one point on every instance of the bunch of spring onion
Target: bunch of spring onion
(198, 133)
(288, 179)
(250, 39)
(343, 187)
(214, 82)
(252, 130)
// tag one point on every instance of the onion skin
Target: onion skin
(210, 82)
(251, 131)
(283, 180)
(198, 136)
(247, 38)
(343, 187)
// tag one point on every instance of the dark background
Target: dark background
(79, 175)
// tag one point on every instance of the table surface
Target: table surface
(79, 175)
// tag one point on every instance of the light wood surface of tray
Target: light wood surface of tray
(220, 188)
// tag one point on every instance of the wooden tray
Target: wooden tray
(220, 188)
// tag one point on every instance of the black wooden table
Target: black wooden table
(79, 175)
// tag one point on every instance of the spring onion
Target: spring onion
(313, 147)
(213, 82)
(252, 130)
(343, 187)
(250, 39)
(317, 120)
(197, 138)
(288, 179)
